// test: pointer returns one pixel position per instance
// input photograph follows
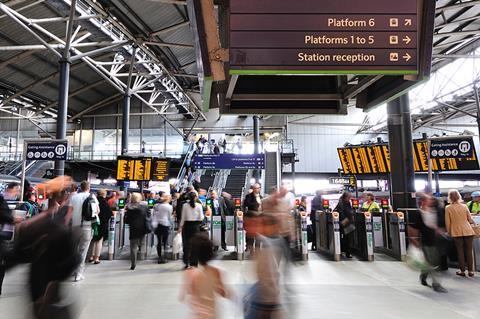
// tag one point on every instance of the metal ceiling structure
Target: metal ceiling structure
(155, 38)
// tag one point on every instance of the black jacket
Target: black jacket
(136, 217)
(6, 215)
(250, 203)
(104, 215)
(345, 210)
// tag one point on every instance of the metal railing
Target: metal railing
(182, 184)
(246, 184)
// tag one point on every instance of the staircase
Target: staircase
(271, 172)
(235, 182)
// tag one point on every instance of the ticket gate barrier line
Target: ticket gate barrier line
(396, 244)
(240, 235)
(208, 222)
(363, 238)
(328, 234)
(304, 236)
(111, 236)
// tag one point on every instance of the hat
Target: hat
(476, 194)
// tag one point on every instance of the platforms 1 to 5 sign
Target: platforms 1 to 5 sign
(347, 35)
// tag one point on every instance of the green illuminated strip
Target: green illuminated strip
(325, 72)
(207, 90)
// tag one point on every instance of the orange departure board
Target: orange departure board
(134, 168)
(161, 170)
(375, 159)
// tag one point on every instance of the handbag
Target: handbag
(476, 229)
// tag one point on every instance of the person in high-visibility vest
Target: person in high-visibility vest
(369, 204)
(474, 204)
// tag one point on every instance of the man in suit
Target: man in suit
(219, 208)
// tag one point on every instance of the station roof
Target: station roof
(160, 31)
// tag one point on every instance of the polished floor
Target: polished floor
(316, 289)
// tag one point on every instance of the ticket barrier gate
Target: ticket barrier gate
(363, 238)
(216, 236)
(328, 234)
(239, 235)
(390, 235)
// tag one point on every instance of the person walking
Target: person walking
(161, 223)
(252, 207)
(345, 210)
(136, 218)
(84, 210)
(100, 233)
(316, 205)
(426, 227)
(7, 221)
(459, 225)
(192, 217)
(219, 208)
(204, 283)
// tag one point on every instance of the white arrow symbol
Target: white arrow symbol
(407, 39)
(408, 22)
(407, 57)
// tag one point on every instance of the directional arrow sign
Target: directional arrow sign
(407, 57)
(407, 39)
(408, 22)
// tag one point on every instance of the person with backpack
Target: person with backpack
(30, 205)
(85, 209)
(136, 217)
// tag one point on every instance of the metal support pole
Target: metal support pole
(429, 188)
(256, 143)
(477, 102)
(93, 139)
(401, 153)
(165, 138)
(142, 146)
(61, 132)
(437, 184)
(125, 123)
(18, 135)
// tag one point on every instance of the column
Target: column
(125, 122)
(256, 142)
(61, 132)
(401, 153)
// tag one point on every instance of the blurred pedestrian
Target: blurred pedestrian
(316, 205)
(84, 211)
(302, 207)
(7, 221)
(100, 233)
(136, 218)
(219, 208)
(192, 217)
(427, 227)
(161, 223)
(204, 283)
(459, 225)
(252, 207)
(347, 227)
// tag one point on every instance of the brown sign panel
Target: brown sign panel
(323, 6)
(352, 36)
(161, 170)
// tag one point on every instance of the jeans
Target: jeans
(83, 246)
(135, 247)
(162, 238)
(464, 247)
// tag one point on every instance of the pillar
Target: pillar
(256, 142)
(61, 132)
(401, 153)
(125, 122)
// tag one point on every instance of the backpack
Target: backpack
(87, 212)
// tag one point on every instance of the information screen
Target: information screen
(161, 170)
(327, 36)
(134, 168)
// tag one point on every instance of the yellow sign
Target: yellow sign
(375, 159)
(134, 169)
(160, 171)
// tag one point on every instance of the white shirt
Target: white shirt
(162, 215)
(77, 203)
(191, 214)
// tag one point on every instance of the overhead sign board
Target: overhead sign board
(328, 36)
(46, 150)
(134, 168)
(229, 161)
(160, 170)
(375, 159)
(350, 180)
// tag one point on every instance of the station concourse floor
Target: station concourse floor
(321, 289)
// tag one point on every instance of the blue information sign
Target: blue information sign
(229, 161)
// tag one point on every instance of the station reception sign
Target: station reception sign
(328, 36)
(446, 154)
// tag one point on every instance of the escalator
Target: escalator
(235, 182)
(272, 173)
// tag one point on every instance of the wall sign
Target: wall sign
(46, 150)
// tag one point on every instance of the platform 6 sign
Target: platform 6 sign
(328, 36)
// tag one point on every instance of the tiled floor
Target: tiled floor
(317, 289)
